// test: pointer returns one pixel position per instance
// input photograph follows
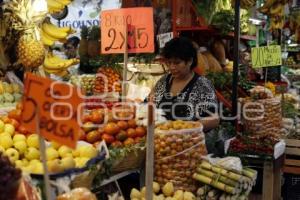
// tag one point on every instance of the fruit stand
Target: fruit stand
(111, 143)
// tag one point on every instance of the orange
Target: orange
(131, 123)
(122, 124)
(111, 128)
(131, 133)
(140, 131)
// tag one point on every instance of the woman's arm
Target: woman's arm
(210, 122)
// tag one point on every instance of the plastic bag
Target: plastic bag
(177, 153)
(77, 194)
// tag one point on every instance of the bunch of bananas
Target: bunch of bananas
(275, 10)
(51, 33)
(245, 4)
(58, 66)
(55, 6)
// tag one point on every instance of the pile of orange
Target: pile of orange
(112, 82)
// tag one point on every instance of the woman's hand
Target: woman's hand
(210, 122)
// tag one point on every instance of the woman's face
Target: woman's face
(70, 51)
(178, 68)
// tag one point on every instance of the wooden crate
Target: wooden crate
(292, 159)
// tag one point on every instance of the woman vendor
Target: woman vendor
(181, 93)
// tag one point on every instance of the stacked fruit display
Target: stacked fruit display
(10, 94)
(179, 146)
(107, 80)
(99, 125)
(58, 66)
(167, 192)
(263, 145)
(87, 82)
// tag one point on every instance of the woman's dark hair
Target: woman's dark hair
(181, 48)
(72, 40)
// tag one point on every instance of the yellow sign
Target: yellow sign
(268, 56)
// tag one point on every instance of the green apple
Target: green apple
(6, 141)
(51, 153)
(21, 146)
(1, 126)
(12, 154)
(19, 137)
(32, 153)
(33, 141)
(63, 151)
(9, 128)
(68, 163)
(19, 164)
(3, 134)
(55, 145)
(88, 151)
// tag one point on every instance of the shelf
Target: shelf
(213, 31)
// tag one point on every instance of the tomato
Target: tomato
(140, 131)
(122, 124)
(131, 123)
(121, 136)
(111, 128)
(131, 133)
(128, 142)
(108, 138)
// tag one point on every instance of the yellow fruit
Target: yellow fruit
(1, 126)
(68, 163)
(55, 145)
(32, 153)
(87, 151)
(64, 151)
(51, 153)
(33, 141)
(135, 194)
(19, 163)
(55, 166)
(31, 52)
(12, 154)
(21, 146)
(6, 141)
(19, 137)
(81, 162)
(2, 149)
(38, 168)
(25, 162)
(9, 128)
(168, 189)
(76, 153)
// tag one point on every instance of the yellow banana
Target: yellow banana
(46, 41)
(55, 4)
(54, 31)
(64, 2)
(56, 63)
(62, 73)
(277, 9)
(52, 71)
(49, 37)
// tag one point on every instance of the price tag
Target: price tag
(164, 38)
(140, 31)
(268, 56)
(58, 104)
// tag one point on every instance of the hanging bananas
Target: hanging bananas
(51, 33)
(245, 4)
(275, 11)
(56, 65)
(55, 6)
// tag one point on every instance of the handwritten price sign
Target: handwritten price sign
(268, 56)
(57, 104)
(140, 32)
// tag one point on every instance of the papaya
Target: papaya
(214, 65)
(202, 65)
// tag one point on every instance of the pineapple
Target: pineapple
(31, 52)
(23, 18)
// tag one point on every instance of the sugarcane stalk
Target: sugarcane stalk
(203, 190)
(215, 176)
(216, 184)
(224, 172)
(252, 174)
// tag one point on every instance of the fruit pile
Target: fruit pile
(97, 103)
(9, 180)
(87, 82)
(107, 80)
(115, 132)
(263, 145)
(10, 94)
(179, 146)
(57, 6)
(166, 192)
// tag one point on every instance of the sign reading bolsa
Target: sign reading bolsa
(57, 105)
(140, 30)
(268, 56)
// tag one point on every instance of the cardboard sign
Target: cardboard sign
(140, 30)
(164, 38)
(268, 56)
(57, 104)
